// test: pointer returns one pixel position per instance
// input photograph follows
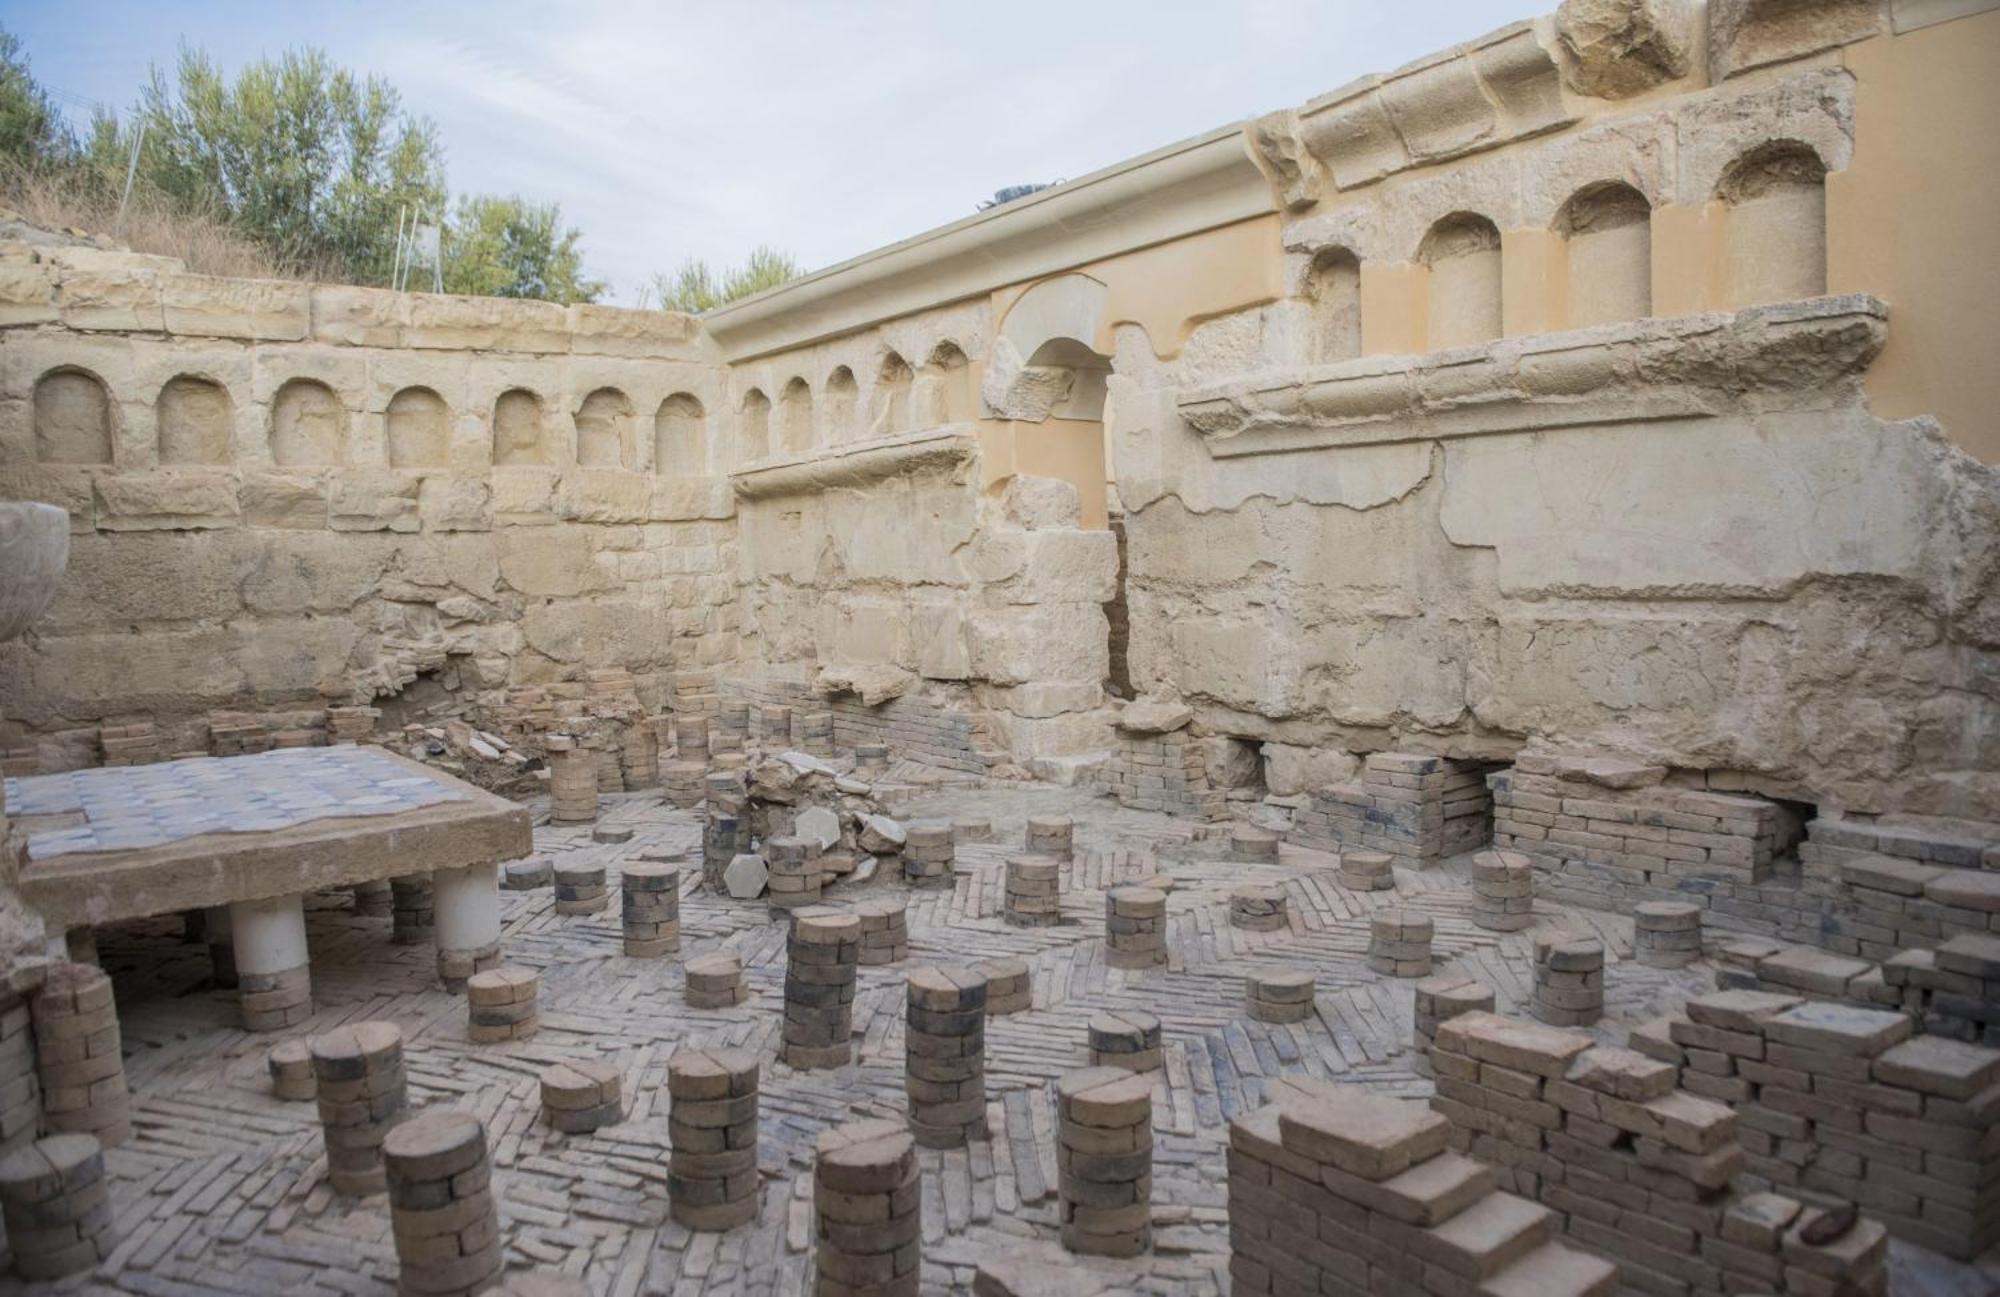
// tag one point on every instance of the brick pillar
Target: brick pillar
(413, 910)
(1104, 1161)
(582, 1096)
(868, 1201)
(572, 780)
(501, 1005)
(1368, 871)
(1399, 943)
(822, 954)
(20, 1091)
(1279, 995)
(928, 854)
(441, 1209)
(54, 1197)
(1007, 987)
(363, 1092)
(944, 1037)
(1259, 909)
(273, 970)
(1052, 835)
(581, 889)
(712, 1175)
(885, 930)
(1135, 927)
(1666, 934)
(794, 872)
(467, 908)
(651, 892)
(1569, 979)
(1033, 892)
(1503, 891)
(715, 982)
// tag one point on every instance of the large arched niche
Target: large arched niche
(73, 419)
(518, 429)
(1775, 195)
(680, 437)
(1046, 384)
(604, 430)
(1462, 255)
(195, 421)
(418, 429)
(308, 426)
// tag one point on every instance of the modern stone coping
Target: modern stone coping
(206, 831)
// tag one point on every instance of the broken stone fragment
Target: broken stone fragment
(881, 835)
(1620, 48)
(1151, 716)
(818, 824)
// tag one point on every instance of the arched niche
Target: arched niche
(680, 437)
(73, 423)
(837, 406)
(518, 436)
(1776, 232)
(1063, 379)
(1333, 290)
(195, 421)
(308, 426)
(943, 391)
(1462, 254)
(795, 417)
(1607, 234)
(604, 430)
(889, 401)
(753, 426)
(418, 427)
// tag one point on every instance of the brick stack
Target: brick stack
(774, 726)
(639, 755)
(351, 724)
(412, 909)
(1033, 895)
(691, 739)
(456, 967)
(1249, 843)
(572, 780)
(1104, 1161)
(232, 734)
(362, 1091)
(291, 1068)
(868, 1204)
(1053, 836)
(712, 1175)
(1953, 990)
(729, 731)
(1666, 934)
(1162, 772)
(1333, 1189)
(1368, 871)
(812, 733)
(1279, 995)
(136, 744)
(1569, 979)
(1841, 1103)
(374, 899)
(501, 1005)
(971, 828)
(715, 982)
(1008, 989)
(441, 1207)
(885, 930)
(1399, 943)
(1260, 909)
(581, 889)
(55, 1200)
(1125, 1038)
(1443, 997)
(871, 760)
(794, 872)
(1415, 807)
(79, 1065)
(822, 954)
(610, 772)
(725, 832)
(651, 894)
(20, 1092)
(1503, 891)
(928, 854)
(944, 1074)
(583, 1096)
(681, 783)
(1135, 927)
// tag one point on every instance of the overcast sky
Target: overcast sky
(676, 130)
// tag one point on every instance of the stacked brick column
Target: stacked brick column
(945, 1056)
(822, 955)
(868, 1201)
(1033, 895)
(794, 872)
(1135, 927)
(572, 780)
(441, 1207)
(581, 889)
(812, 733)
(885, 930)
(730, 731)
(691, 739)
(1279, 996)
(55, 1200)
(1415, 807)
(1250, 843)
(1368, 871)
(79, 1064)
(374, 899)
(1441, 998)
(725, 833)
(928, 855)
(871, 759)
(639, 755)
(1260, 909)
(1503, 891)
(412, 909)
(20, 1093)
(774, 725)
(291, 1067)
(273, 971)
(1007, 987)
(1569, 979)
(1399, 943)
(712, 1177)
(1666, 934)
(582, 1096)
(681, 783)
(362, 1091)
(1053, 836)
(1126, 1038)
(501, 1005)
(715, 982)
(1104, 1161)
(651, 896)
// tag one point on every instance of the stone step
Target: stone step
(1490, 1235)
(1553, 1270)
(1434, 1190)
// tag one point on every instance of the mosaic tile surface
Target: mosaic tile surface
(130, 808)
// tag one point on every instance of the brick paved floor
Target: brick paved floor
(221, 1189)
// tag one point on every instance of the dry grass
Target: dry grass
(67, 199)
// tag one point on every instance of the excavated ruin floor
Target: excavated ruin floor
(221, 1189)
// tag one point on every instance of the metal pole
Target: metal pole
(131, 171)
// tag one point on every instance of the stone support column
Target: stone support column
(944, 1036)
(712, 1125)
(468, 922)
(1104, 1161)
(273, 968)
(868, 1201)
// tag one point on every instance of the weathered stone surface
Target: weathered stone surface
(1619, 48)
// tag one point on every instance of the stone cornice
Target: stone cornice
(937, 449)
(1698, 366)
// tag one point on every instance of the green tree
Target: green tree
(694, 286)
(31, 129)
(308, 158)
(505, 246)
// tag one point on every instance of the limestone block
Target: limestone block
(485, 324)
(294, 500)
(360, 317)
(1746, 34)
(1047, 566)
(1153, 716)
(820, 825)
(1014, 646)
(1294, 173)
(614, 331)
(455, 504)
(1041, 503)
(937, 637)
(605, 495)
(176, 500)
(34, 550)
(372, 500)
(207, 306)
(27, 296)
(524, 493)
(121, 300)
(1290, 769)
(1619, 48)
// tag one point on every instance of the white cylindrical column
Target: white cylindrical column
(273, 973)
(466, 907)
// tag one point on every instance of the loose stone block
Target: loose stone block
(1368, 871)
(79, 1062)
(55, 1201)
(927, 854)
(291, 1069)
(501, 1004)
(1441, 998)
(362, 1093)
(867, 1204)
(1052, 835)
(1666, 934)
(1033, 892)
(579, 1097)
(715, 982)
(651, 895)
(580, 889)
(412, 910)
(441, 1207)
(793, 873)
(1503, 891)
(572, 780)
(885, 930)
(1125, 1038)
(526, 875)
(1260, 909)
(374, 899)
(1008, 989)
(1280, 995)
(1135, 927)
(1253, 844)
(712, 1122)
(822, 954)
(1399, 943)
(1104, 1161)
(945, 1055)
(1569, 979)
